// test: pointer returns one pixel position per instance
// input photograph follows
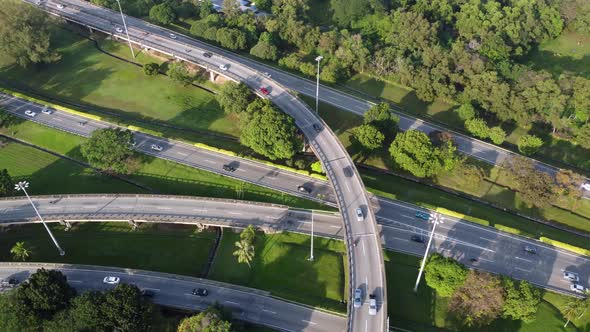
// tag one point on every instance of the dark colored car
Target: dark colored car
(229, 168)
(422, 215)
(207, 54)
(304, 189)
(147, 293)
(200, 292)
(264, 91)
(530, 250)
(417, 238)
(9, 282)
(317, 127)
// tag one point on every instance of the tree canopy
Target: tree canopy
(234, 97)
(6, 183)
(25, 34)
(270, 132)
(210, 320)
(126, 309)
(109, 149)
(444, 275)
(368, 136)
(45, 293)
(163, 13)
(522, 300)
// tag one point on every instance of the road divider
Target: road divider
(565, 246)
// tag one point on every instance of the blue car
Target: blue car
(422, 215)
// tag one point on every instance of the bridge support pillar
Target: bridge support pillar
(212, 76)
(91, 30)
(66, 224)
(133, 224)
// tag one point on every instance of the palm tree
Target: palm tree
(244, 252)
(575, 309)
(20, 252)
(248, 234)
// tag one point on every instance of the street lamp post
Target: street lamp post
(311, 250)
(317, 88)
(126, 31)
(22, 185)
(435, 219)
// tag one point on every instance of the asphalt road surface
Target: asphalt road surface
(366, 267)
(495, 251)
(468, 145)
(176, 291)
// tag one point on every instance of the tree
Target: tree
(477, 127)
(234, 97)
(368, 136)
(413, 152)
(465, 112)
(233, 39)
(497, 135)
(210, 320)
(244, 252)
(270, 133)
(348, 11)
(265, 48)
(248, 234)
(522, 300)
(479, 300)
(6, 184)
(574, 309)
(45, 293)
(178, 72)
(20, 252)
(583, 136)
(206, 8)
(529, 144)
(440, 138)
(535, 187)
(163, 13)
(231, 8)
(108, 149)
(569, 183)
(444, 275)
(125, 309)
(580, 100)
(6, 118)
(15, 315)
(382, 118)
(25, 34)
(86, 312)
(151, 69)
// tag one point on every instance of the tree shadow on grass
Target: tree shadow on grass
(556, 64)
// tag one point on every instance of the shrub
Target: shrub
(529, 144)
(151, 69)
(477, 128)
(497, 135)
(317, 167)
(466, 112)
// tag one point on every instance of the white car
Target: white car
(111, 280)
(586, 186)
(119, 29)
(578, 288)
(60, 6)
(157, 147)
(358, 297)
(570, 276)
(173, 36)
(267, 74)
(223, 67)
(46, 110)
(372, 305)
(359, 214)
(30, 113)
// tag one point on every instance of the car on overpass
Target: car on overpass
(372, 305)
(358, 297)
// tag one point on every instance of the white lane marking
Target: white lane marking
(364, 251)
(163, 208)
(523, 259)
(76, 281)
(366, 325)
(208, 161)
(308, 322)
(232, 212)
(230, 302)
(521, 269)
(182, 153)
(485, 259)
(485, 238)
(406, 216)
(89, 206)
(334, 226)
(270, 312)
(52, 207)
(347, 186)
(398, 238)
(200, 210)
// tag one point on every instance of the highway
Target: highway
(175, 291)
(367, 270)
(495, 251)
(478, 149)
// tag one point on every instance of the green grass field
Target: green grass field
(176, 249)
(570, 52)
(281, 266)
(86, 75)
(49, 174)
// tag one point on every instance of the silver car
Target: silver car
(358, 297)
(111, 280)
(578, 288)
(359, 214)
(156, 147)
(570, 276)
(30, 113)
(372, 305)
